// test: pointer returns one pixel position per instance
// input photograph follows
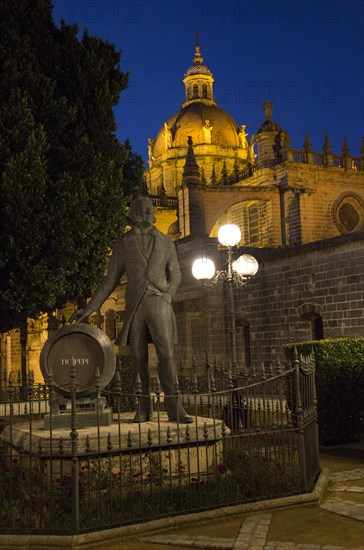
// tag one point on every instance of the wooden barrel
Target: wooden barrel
(84, 346)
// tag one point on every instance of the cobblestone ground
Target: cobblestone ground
(338, 484)
(254, 529)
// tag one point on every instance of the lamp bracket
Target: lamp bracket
(223, 275)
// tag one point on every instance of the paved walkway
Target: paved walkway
(344, 496)
(338, 485)
(254, 529)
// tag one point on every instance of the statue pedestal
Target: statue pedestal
(89, 412)
(198, 445)
(125, 435)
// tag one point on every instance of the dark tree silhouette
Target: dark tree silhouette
(62, 201)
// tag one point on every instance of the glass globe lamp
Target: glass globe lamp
(203, 268)
(229, 234)
(246, 265)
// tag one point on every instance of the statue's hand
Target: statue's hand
(81, 315)
(76, 316)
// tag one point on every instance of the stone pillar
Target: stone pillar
(266, 142)
(329, 161)
(309, 156)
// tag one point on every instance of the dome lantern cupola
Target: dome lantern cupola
(220, 147)
(198, 80)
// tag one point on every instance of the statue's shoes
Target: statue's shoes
(183, 419)
(142, 417)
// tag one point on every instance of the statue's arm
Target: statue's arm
(108, 284)
(111, 279)
(173, 271)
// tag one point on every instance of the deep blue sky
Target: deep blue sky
(306, 56)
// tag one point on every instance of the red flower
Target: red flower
(66, 479)
(221, 468)
(138, 474)
(197, 482)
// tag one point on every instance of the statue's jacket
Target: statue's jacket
(157, 268)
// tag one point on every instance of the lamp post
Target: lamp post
(238, 273)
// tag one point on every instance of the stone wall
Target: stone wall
(293, 288)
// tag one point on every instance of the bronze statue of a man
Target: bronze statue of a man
(149, 259)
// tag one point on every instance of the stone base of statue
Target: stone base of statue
(89, 412)
(199, 444)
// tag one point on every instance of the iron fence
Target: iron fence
(64, 472)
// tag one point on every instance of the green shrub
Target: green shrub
(339, 386)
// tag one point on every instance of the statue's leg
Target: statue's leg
(139, 351)
(159, 322)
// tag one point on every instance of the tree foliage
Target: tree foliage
(61, 165)
(133, 172)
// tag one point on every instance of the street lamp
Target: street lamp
(238, 273)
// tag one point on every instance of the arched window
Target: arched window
(311, 312)
(195, 91)
(253, 223)
(317, 328)
(204, 90)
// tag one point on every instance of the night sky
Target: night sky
(307, 57)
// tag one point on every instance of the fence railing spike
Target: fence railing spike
(157, 387)
(138, 385)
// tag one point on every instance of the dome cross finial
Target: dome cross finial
(267, 106)
(198, 57)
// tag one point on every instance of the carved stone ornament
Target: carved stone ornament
(348, 213)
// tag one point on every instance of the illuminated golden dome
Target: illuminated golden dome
(204, 123)
(219, 144)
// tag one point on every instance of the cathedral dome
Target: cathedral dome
(205, 123)
(220, 147)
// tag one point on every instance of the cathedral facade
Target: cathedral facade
(300, 212)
